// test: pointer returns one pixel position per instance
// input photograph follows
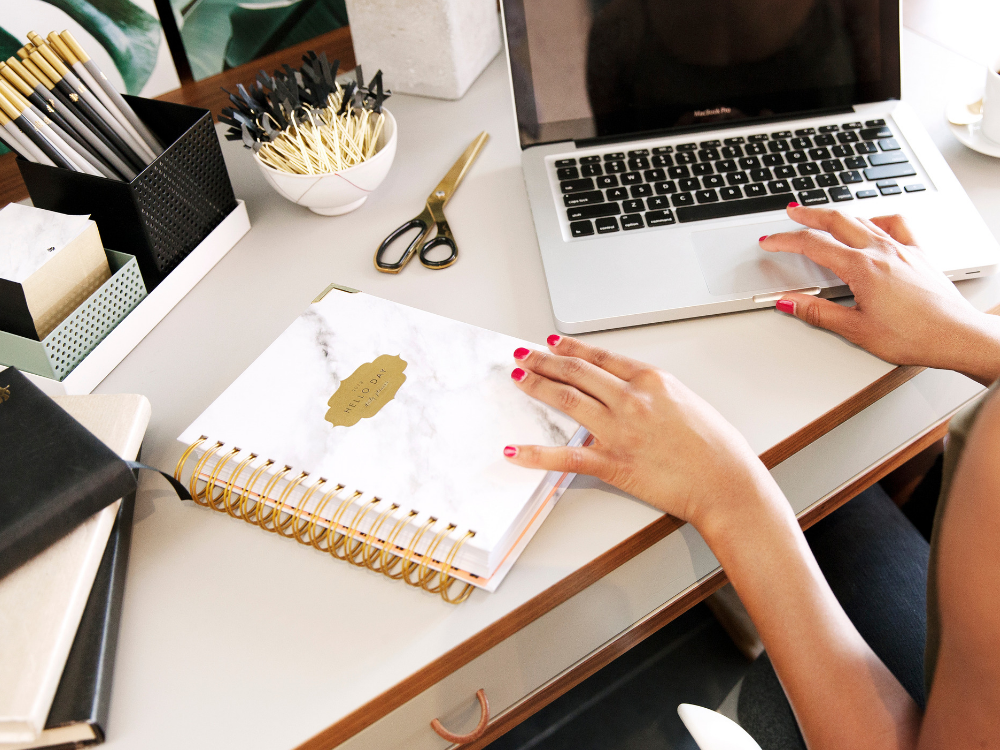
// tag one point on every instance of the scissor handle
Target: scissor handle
(416, 223)
(442, 238)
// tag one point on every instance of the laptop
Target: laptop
(661, 138)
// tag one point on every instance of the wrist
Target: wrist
(755, 499)
(977, 348)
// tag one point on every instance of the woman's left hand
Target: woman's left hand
(653, 437)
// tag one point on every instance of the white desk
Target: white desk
(235, 638)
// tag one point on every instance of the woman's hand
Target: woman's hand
(653, 437)
(906, 311)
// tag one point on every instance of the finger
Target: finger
(571, 401)
(896, 227)
(575, 460)
(817, 246)
(876, 230)
(847, 229)
(821, 313)
(618, 365)
(587, 377)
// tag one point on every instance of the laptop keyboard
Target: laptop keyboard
(652, 187)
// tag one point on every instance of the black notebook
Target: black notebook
(54, 474)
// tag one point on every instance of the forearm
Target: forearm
(976, 351)
(842, 694)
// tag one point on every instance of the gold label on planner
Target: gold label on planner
(363, 393)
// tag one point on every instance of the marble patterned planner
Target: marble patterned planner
(397, 404)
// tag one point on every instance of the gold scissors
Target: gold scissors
(433, 216)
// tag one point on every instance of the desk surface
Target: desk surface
(231, 637)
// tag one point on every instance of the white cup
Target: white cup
(991, 103)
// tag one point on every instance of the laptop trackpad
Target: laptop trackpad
(732, 262)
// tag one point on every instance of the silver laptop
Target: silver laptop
(661, 138)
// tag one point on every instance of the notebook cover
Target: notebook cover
(54, 474)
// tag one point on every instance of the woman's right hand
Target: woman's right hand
(906, 311)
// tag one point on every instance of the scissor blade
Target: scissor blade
(443, 192)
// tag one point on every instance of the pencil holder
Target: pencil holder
(170, 207)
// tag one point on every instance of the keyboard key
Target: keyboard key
(749, 162)
(813, 197)
(824, 139)
(565, 162)
(796, 157)
(567, 173)
(659, 218)
(682, 199)
(639, 162)
(583, 199)
(865, 148)
(691, 183)
(755, 148)
(819, 153)
(874, 123)
(855, 162)
(641, 191)
(888, 144)
(730, 193)
(782, 134)
(727, 165)
(848, 137)
(713, 181)
(615, 167)
(631, 206)
(808, 168)
(772, 160)
(735, 141)
(803, 183)
(654, 175)
(850, 177)
(576, 186)
(702, 168)
(632, 221)
(686, 158)
(737, 178)
(826, 180)
(886, 183)
(779, 186)
(842, 151)
(687, 147)
(832, 165)
(731, 152)
(607, 225)
(590, 159)
(631, 178)
(805, 131)
(800, 143)
(663, 150)
(893, 157)
(777, 146)
(867, 193)
(756, 190)
(828, 128)
(706, 196)
(617, 194)
(709, 154)
(760, 175)
(607, 181)
(663, 160)
(784, 172)
(591, 170)
(890, 171)
(890, 190)
(592, 212)
(871, 134)
(665, 188)
(851, 126)
(840, 194)
(638, 152)
(710, 144)
(676, 173)
(615, 156)
(732, 208)
(757, 138)
(581, 228)
(916, 187)
(658, 201)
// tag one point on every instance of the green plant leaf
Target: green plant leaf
(129, 34)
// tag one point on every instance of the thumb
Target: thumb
(821, 313)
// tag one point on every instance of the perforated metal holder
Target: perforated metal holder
(168, 209)
(72, 340)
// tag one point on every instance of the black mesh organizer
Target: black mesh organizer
(170, 207)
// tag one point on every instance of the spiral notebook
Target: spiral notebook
(374, 432)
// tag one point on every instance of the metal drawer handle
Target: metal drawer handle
(475, 734)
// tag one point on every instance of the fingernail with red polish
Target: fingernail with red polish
(521, 353)
(793, 204)
(518, 374)
(554, 339)
(785, 306)
(510, 451)
(762, 238)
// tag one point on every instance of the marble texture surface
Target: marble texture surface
(27, 233)
(436, 448)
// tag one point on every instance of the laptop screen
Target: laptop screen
(585, 69)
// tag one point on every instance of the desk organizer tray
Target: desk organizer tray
(168, 209)
(132, 328)
(71, 341)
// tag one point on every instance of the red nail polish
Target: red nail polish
(785, 306)
(510, 451)
(521, 353)
(554, 339)
(762, 238)
(793, 204)
(518, 374)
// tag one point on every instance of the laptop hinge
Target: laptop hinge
(715, 126)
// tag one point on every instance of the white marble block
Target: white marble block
(425, 47)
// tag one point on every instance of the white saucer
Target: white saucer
(972, 136)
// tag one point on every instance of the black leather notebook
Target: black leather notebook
(54, 474)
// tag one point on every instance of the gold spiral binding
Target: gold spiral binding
(343, 540)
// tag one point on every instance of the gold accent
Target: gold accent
(62, 49)
(81, 55)
(227, 495)
(363, 393)
(338, 287)
(280, 526)
(4, 393)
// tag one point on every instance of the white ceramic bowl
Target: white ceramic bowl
(335, 193)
